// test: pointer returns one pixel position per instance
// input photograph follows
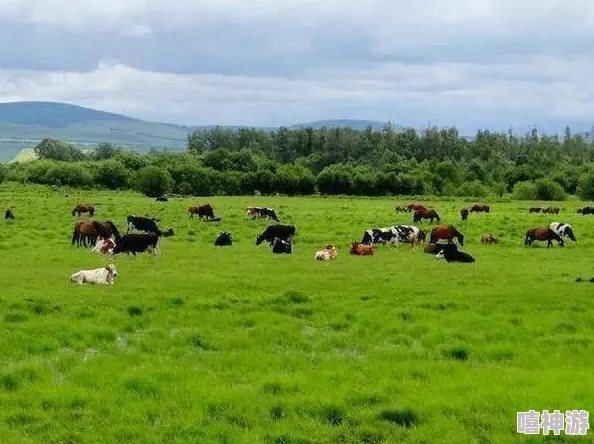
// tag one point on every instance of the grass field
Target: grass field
(237, 345)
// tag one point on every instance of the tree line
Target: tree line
(334, 161)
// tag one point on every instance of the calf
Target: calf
(451, 253)
(261, 213)
(281, 246)
(104, 246)
(136, 243)
(272, 232)
(488, 239)
(464, 214)
(224, 239)
(360, 249)
(328, 254)
(8, 214)
(103, 276)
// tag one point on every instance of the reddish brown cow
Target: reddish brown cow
(203, 211)
(480, 208)
(425, 214)
(447, 232)
(83, 208)
(360, 249)
(416, 207)
(542, 234)
(551, 210)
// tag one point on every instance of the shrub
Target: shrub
(586, 186)
(112, 174)
(546, 189)
(524, 191)
(153, 181)
(472, 189)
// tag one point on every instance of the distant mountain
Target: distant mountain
(24, 124)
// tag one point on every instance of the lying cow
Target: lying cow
(451, 253)
(162, 199)
(488, 239)
(224, 239)
(103, 276)
(272, 232)
(260, 213)
(433, 248)
(8, 214)
(281, 246)
(328, 254)
(360, 249)
(137, 243)
(104, 246)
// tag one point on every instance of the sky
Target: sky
(472, 64)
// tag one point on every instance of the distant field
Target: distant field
(237, 345)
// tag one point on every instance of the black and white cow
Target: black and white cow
(393, 235)
(283, 232)
(563, 230)
(450, 253)
(224, 239)
(137, 243)
(261, 213)
(142, 224)
(281, 246)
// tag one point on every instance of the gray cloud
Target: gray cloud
(480, 64)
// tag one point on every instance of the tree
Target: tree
(586, 186)
(153, 181)
(546, 189)
(105, 151)
(55, 149)
(112, 174)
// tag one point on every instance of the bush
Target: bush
(112, 174)
(547, 189)
(72, 174)
(472, 189)
(153, 181)
(3, 173)
(586, 186)
(524, 191)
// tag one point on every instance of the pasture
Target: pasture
(236, 345)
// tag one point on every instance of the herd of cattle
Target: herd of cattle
(105, 237)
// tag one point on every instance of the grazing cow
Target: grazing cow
(425, 214)
(480, 208)
(204, 211)
(103, 276)
(360, 249)
(446, 232)
(104, 246)
(433, 248)
(147, 225)
(464, 214)
(224, 239)
(284, 232)
(563, 230)
(401, 209)
(551, 210)
(83, 208)
(328, 254)
(281, 246)
(8, 214)
(543, 234)
(416, 207)
(534, 210)
(137, 243)
(261, 213)
(162, 199)
(394, 235)
(585, 210)
(451, 253)
(487, 239)
(84, 233)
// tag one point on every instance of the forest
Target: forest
(337, 161)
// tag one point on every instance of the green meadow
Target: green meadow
(203, 344)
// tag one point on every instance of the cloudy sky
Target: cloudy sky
(474, 64)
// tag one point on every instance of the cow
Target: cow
(104, 246)
(147, 225)
(327, 254)
(359, 249)
(8, 214)
(585, 210)
(281, 246)
(401, 209)
(394, 235)
(284, 232)
(261, 213)
(563, 230)
(86, 232)
(433, 248)
(551, 210)
(137, 243)
(542, 234)
(425, 214)
(447, 232)
(451, 253)
(416, 207)
(487, 239)
(102, 276)
(480, 208)
(162, 199)
(224, 239)
(464, 214)
(204, 211)
(534, 210)
(83, 208)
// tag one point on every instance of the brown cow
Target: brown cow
(203, 211)
(543, 234)
(86, 232)
(425, 214)
(416, 207)
(446, 232)
(464, 214)
(488, 239)
(360, 249)
(534, 210)
(551, 210)
(433, 248)
(480, 208)
(83, 208)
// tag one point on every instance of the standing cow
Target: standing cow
(204, 211)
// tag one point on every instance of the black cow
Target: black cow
(450, 253)
(586, 210)
(283, 232)
(142, 224)
(224, 239)
(8, 214)
(136, 243)
(162, 199)
(281, 246)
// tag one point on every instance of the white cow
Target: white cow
(563, 230)
(328, 254)
(104, 276)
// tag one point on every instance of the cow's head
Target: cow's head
(112, 272)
